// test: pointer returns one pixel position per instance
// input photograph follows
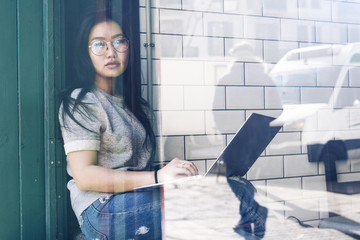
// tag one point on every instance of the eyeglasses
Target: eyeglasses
(99, 47)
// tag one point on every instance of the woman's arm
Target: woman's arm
(89, 176)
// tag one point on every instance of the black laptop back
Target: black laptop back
(246, 146)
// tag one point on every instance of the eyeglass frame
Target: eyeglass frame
(112, 44)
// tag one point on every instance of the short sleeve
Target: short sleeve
(84, 135)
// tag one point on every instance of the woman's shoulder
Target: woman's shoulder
(89, 96)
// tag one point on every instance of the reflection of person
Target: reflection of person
(108, 138)
(251, 212)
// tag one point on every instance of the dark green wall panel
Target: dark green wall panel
(9, 172)
(31, 124)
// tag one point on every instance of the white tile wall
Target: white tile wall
(244, 50)
(298, 165)
(272, 98)
(315, 9)
(354, 80)
(304, 209)
(345, 12)
(166, 46)
(224, 73)
(262, 28)
(203, 5)
(275, 50)
(203, 47)
(353, 33)
(209, 146)
(270, 113)
(171, 147)
(314, 186)
(181, 22)
(257, 74)
(180, 72)
(297, 30)
(285, 143)
(168, 97)
(247, 7)
(329, 76)
(154, 20)
(182, 122)
(218, 46)
(331, 32)
(224, 121)
(266, 168)
(280, 8)
(284, 189)
(204, 97)
(315, 95)
(245, 97)
(223, 25)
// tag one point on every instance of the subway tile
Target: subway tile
(257, 74)
(223, 25)
(262, 28)
(207, 6)
(245, 97)
(345, 12)
(284, 189)
(275, 50)
(304, 209)
(142, 2)
(329, 76)
(209, 146)
(285, 143)
(353, 33)
(180, 22)
(224, 73)
(204, 97)
(354, 77)
(171, 147)
(331, 32)
(298, 165)
(168, 97)
(144, 92)
(297, 30)
(182, 122)
(143, 67)
(201, 166)
(167, 46)
(348, 177)
(315, 95)
(330, 120)
(280, 8)
(203, 47)
(244, 50)
(314, 186)
(289, 95)
(246, 7)
(266, 167)
(181, 72)
(228, 121)
(154, 20)
(272, 98)
(175, 4)
(270, 113)
(315, 10)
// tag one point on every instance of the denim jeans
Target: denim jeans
(131, 215)
(250, 210)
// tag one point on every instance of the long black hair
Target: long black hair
(85, 72)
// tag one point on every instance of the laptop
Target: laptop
(243, 150)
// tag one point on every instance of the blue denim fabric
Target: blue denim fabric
(131, 215)
(250, 210)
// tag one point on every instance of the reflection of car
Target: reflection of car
(320, 92)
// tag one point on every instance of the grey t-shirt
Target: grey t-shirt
(111, 130)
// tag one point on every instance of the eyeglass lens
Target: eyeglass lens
(99, 47)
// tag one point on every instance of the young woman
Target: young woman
(108, 138)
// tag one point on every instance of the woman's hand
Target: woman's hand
(177, 168)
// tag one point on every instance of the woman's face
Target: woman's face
(112, 63)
